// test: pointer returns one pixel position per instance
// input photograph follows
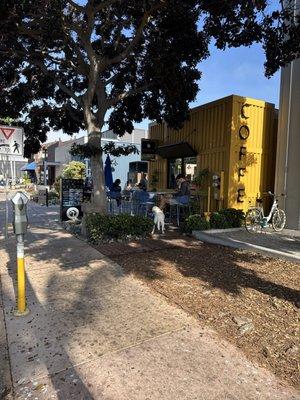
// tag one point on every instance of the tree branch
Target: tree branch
(138, 35)
(104, 4)
(131, 92)
(64, 88)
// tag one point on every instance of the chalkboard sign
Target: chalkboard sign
(71, 195)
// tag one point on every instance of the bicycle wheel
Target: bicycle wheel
(278, 220)
(252, 220)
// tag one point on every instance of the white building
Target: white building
(120, 165)
(287, 178)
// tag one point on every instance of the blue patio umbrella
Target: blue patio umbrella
(29, 167)
(108, 173)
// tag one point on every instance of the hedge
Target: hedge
(224, 219)
(234, 217)
(195, 223)
(105, 227)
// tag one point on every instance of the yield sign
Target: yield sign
(7, 132)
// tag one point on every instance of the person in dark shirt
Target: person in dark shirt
(116, 186)
(115, 191)
(183, 193)
(181, 196)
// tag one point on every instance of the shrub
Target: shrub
(234, 217)
(74, 170)
(195, 223)
(218, 221)
(104, 227)
(53, 197)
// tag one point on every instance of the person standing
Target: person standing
(143, 182)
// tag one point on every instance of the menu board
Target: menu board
(71, 194)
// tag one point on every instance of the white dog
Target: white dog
(159, 219)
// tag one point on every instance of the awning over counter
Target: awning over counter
(48, 163)
(29, 167)
(176, 150)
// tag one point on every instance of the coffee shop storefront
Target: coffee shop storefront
(232, 139)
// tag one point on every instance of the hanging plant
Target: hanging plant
(87, 150)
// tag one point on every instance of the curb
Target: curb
(237, 244)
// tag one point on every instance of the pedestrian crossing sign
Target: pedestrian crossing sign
(11, 140)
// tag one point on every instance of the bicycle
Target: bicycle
(255, 219)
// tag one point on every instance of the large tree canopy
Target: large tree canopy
(65, 64)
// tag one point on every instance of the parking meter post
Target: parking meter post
(20, 227)
(21, 300)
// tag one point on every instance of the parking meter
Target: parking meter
(20, 220)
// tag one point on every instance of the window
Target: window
(190, 167)
(187, 166)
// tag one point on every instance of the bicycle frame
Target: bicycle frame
(273, 208)
(264, 220)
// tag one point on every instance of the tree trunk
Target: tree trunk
(98, 200)
(94, 124)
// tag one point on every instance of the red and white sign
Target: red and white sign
(11, 140)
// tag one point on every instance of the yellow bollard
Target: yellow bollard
(21, 296)
(21, 286)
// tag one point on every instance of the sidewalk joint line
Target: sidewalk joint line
(118, 350)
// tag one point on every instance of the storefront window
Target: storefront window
(177, 166)
(190, 167)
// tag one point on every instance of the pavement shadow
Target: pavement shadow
(58, 380)
(66, 382)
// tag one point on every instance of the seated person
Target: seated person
(140, 196)
(128, 185)
(115, 191)
(181, 196)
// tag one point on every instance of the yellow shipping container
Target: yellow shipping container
(233, 138)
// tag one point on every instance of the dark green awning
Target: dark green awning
(176, 150)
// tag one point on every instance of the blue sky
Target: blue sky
(233, 71)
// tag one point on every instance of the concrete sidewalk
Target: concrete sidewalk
(284, 245)
(94, 333)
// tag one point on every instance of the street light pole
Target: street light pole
(45, 165)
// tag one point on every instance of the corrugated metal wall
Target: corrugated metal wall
(207, 131)
(213, 131)
(259, 149)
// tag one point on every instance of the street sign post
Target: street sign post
(11, 149)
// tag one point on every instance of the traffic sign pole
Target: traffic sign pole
(6, 198)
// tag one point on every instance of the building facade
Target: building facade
(120, 165)
(233, 140)
(288, 144)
